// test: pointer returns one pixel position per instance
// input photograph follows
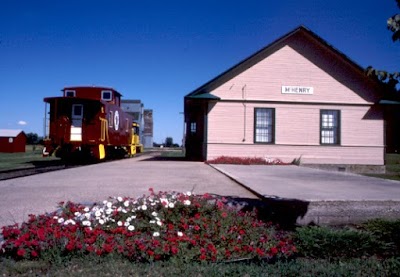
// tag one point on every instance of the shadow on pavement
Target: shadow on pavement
(280, 211)
(164, 158)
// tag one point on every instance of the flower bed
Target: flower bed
(154, 227)
(246, 161)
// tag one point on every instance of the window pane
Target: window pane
(264, 122)
(330, 127)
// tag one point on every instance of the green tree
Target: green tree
(169, 142)
(391, 80)
(32, 138)
(394, 24)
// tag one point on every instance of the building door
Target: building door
(195, 131)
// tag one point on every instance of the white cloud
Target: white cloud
(21, 122)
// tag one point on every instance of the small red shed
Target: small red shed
(12, 141)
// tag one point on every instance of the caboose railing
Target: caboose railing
(104, 130)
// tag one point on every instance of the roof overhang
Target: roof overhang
(389, 102)
(204, 96)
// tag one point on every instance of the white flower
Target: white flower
(126, 224)
(187, 202)
(126, 203)
(55, 217)
(164, 201)
(152, 221)
(86, 209)
(171, 205)
(69, 221)
(60, 220)
(119, 209)
(144, 207)
(154, 214)
(124, 211)
(188, 193)
(119, 223)
(159, 223)
(97, 213)
(87, 215)
(109, 204)
(109, 211)
(86, 223)
(119, 198)
(101, 221)
(77, 214)
(156, 234)
(180, 234)
(131, 227)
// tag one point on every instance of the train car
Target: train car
(89, 122)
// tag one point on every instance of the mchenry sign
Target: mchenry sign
(297, 90)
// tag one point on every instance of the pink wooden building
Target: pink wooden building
(297, 98)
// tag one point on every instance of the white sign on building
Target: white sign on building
(297, 90)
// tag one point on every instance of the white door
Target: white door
(76, 124)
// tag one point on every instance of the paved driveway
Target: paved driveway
(312, 184)
(130, 177)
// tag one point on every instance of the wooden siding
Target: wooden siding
(297, 133)
(300, 63)
(308, 154)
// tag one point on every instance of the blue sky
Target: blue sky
(159, 51)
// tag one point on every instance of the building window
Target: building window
(193, 127)
(264, 125)
(330, 127)
(106, 95)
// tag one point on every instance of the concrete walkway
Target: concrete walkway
(317, 196)
(312, 184)
(133, 177)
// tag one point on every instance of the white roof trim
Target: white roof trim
(9, 133)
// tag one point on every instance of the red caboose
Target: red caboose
(89, 122)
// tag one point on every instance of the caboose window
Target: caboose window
(77, 111)
(106, 95)
(70, 93)
(110, 119)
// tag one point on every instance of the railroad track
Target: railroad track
(47, 166)
(22, 172)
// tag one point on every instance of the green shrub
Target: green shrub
(329, 243)
(386, 231)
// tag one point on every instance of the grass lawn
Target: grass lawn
(31, 158)
(392, 168)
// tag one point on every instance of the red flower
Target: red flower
(150, 253)
(273, 250)
(108, 248)
(34, 254)
(174, 250)
(21, 252)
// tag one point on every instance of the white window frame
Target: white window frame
(264, 125)
(108, 98)
(75, 116)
